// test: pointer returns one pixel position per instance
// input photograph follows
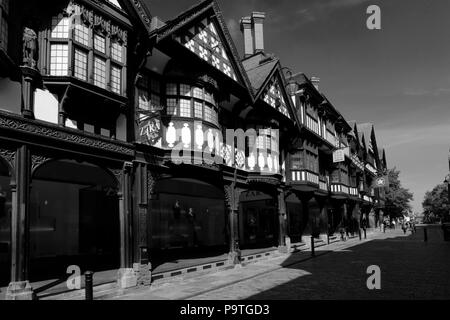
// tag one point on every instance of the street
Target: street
(410, 269)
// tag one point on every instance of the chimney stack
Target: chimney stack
(315, 81)
(252, 28)
(246, 29)
(258, 32)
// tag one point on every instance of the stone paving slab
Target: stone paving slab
(196, 286)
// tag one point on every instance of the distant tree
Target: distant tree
(398, 198)
(435, 203)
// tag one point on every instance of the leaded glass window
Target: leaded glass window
(59, 59)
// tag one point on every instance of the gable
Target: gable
(204, 40)
(274, 94)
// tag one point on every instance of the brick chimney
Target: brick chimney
(247, 30)
(252, 29)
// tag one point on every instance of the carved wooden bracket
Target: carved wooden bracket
(9, 156)
(37, 161)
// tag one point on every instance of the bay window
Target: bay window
(188, 101)
(87, 47)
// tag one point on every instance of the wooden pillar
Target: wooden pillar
(232, 203)
(126, 275)
(144, 182)
(282, 220)
(30, 77)
(19, 288)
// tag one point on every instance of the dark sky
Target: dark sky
(397, 77)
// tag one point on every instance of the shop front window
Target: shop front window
(187, 214)
(5, 225)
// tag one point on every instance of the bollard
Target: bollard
(328, 238)
(88, 285)
(365, 233)
(359, 233)
(425, 235)
(312, 247)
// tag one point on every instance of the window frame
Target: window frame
(92, 51)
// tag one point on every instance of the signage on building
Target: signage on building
(381, 182)
(371, 168)
(357, 162)
(339, 154)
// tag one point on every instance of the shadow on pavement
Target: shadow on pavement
(410, 269)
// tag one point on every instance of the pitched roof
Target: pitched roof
(164, 30)
(259, 67)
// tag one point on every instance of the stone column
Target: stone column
(20, 288)
(126, 275)
(232, 202)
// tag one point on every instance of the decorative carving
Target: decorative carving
(232, 195)
(118, 174)
(141, 12)
(9, 156)
(46, 131)
(263, 179)
(30, 48)
(37, 161)
(152, 178)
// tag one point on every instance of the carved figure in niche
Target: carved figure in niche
(30, 48)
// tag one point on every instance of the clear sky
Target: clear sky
(397, 78)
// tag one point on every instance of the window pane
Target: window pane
(116, 51)
(198, 93)
(60, 27)
(99, 43)
(99, 72)
(156, 101)
(198, 108)
(185, 90)
(116, 79)
(155, 86)
(172, 107)
(80, 70)
(144, 103)
(81, 34)
(171, 89)
(58, 59)
(185, 108)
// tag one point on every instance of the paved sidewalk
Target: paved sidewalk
(199, 287)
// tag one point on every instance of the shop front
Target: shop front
(187, 222)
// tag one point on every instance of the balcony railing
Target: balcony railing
(353, 192)
(338, 187)
(323, 185)
(312, 124)
(305, 176)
